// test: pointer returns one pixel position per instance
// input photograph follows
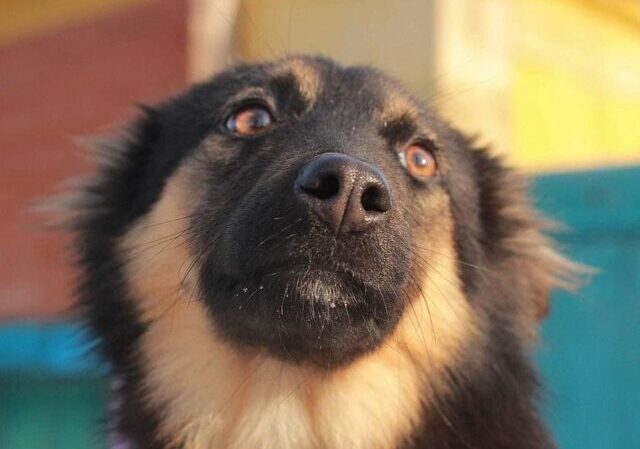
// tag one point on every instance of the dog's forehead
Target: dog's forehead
(307, 78)
(316, 80)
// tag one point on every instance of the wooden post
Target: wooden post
(211, 30)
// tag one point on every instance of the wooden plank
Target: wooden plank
(211, 30)
(592, 202)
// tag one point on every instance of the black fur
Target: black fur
(493, 398)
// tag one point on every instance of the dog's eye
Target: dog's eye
(250, 120)
(419, 162)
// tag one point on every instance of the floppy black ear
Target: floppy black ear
(127, 180)
(513, 235)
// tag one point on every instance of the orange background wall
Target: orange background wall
(79, 78)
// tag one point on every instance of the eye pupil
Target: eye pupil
(420, 160)
(259, 119)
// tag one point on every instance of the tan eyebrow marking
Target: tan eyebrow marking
(396, 107)
(305, 75)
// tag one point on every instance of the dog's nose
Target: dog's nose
(347, 194)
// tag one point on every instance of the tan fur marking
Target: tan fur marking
(395, 107)
(215, 397)
(305, 74)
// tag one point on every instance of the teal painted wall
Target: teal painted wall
(590, 352)
(51, 412)
(53, 397)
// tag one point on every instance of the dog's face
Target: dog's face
(317, 193)
(316, 217)
(315, 201)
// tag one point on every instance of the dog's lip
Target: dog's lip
(318, 284)
(306, 274)
(300, 271)
(295, 269)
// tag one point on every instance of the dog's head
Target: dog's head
(313, 202)
(316, 214)
(314, 195)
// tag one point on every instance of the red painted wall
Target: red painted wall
(82, 80)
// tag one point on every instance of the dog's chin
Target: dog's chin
(302, 315)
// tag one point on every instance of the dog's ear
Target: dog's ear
(513, 235)
(123, 165)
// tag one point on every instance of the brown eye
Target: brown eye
(419, 162)
(250, 120)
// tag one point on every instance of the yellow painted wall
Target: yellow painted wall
(389, 34)
(21, 18)
(554, 83)
(576, 95)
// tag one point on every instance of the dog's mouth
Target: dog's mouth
(301, 314)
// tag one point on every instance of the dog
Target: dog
(297, 254)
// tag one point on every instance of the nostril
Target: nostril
(323, 187)
(375, 199)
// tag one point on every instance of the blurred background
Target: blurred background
(554, 85)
